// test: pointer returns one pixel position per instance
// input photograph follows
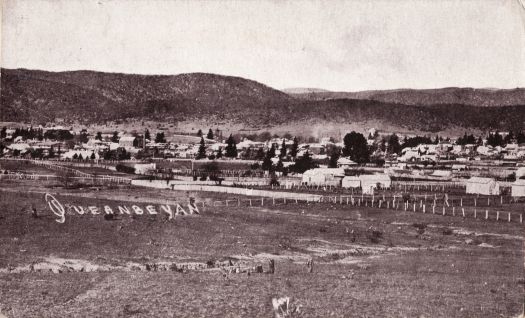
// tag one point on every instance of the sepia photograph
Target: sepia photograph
(262, 158)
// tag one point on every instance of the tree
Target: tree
(219, 153)
(304, 163)
(356, 147)
(520, 138)
(201, 154)
(267, 161)
(282, 154)
(210, 134)
(93, 157)
(393, 144)
(75, 156)
(83, 137)
(147, 135)
(231, 148)
(115, 137)
(199, 133)
(295, 147)
(333, 158)
(509, 138)
(159, 138)
(3, 132)
(98, 136)
(260, 154)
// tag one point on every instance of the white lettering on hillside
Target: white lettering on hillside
(171, 210)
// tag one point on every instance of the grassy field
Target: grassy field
(367, 262)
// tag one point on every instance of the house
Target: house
(479, 185)
(144, 168)
(442, 173)
(323, 176)
(456, 167)
(369, 182)
(520, 173)
(345, 163)
(518, 188)
(127, 141)
(351, 182)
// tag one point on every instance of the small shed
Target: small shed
(369, 182)
(351, 182)
(518, 188)
(479, 185)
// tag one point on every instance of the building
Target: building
(126, 141)
(369, 182)
(345, 163)
(351, 182)
(323, 176)
(479, 185)
(518, 188)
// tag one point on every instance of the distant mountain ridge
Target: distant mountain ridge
(483, 97)
(96, 97)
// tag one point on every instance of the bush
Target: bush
(125, 169)
(374, 235)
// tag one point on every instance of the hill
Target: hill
(451, 95)
(89, 97)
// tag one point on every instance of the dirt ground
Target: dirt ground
(367, 262)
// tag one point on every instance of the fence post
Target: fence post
(521, 217)
(497, 215)
(509, 216)
(463, 212)
(475, 214)
(486, 214)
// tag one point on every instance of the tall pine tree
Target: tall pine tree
(210, 134)
(201, 154)
(295, 148)
(231, 148)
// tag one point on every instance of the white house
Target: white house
(144, 168)
(345, 163)
(479, 185)
(323, 176)
(369, 182)
(351, 182)
(518, 188)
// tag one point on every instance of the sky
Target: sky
(335, 45)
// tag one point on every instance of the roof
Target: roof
(345, 161)
(374, 177)
(318, 171)
(127, 138)
(480, 180)
(351, 178)
(519, 182)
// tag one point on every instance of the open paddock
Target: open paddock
(367, 261)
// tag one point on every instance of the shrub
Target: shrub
(125, 169)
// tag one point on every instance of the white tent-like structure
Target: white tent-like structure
(485, 186)
(323, 176)
(518, 188)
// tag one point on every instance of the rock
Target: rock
(469, 241)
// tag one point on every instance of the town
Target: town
(343, 162)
